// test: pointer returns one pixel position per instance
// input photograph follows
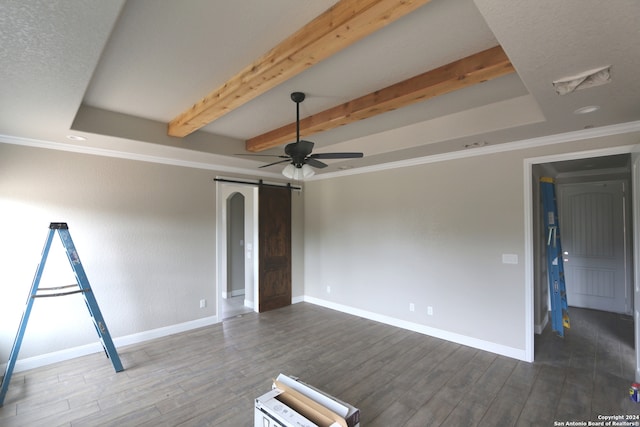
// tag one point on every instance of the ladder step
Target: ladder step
(59, 294)
(57, 288)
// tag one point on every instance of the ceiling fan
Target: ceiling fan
(298, 154)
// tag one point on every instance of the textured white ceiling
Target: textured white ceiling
(117, 72)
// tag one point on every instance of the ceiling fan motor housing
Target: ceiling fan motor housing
(298, 151)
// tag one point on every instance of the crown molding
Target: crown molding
(617, 129)
(216, 165)
(217, 162)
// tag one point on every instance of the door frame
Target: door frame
(635, 215)
(529, 237)
(223, 191)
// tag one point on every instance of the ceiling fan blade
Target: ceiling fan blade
(316, 163)
(262, 155)
(336, 155)
(275, 163)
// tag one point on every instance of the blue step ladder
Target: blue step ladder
(81, 287)
(555, 266)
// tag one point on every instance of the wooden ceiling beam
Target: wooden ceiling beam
(474, 69)
(341, 25)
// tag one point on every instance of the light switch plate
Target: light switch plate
(509, 258)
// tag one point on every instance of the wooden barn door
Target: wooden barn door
(274, 248)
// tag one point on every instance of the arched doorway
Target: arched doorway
(234, 294)
(237, 262)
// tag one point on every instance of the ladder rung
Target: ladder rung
(56, 288)
(60, 294)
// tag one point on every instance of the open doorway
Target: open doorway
(594, 205)
(235, 298)
(237, 263)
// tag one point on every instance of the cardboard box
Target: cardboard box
(271, 412)
(293, 403)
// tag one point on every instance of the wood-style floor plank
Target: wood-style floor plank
(211, 376)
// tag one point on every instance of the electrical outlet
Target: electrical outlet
(430, 311)
(328, 289)
(203, 303)
(412, 307)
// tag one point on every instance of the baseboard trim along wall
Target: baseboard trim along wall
(71, 353)
(543, 324)
(234, 293)
(503, 350)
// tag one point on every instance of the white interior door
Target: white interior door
(592, 229)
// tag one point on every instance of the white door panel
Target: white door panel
(592, 230)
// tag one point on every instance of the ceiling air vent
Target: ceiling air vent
(584, 80)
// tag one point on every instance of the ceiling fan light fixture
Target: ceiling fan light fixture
(298, 173)
(288, 171)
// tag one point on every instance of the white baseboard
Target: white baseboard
(71, 353)
(59, 356)
(234, 293)
(83, 350)
(514, 353)
(538, 328)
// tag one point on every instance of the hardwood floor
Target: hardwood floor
(210, 376)
(233, 306)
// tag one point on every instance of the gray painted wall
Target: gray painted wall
(430, 234)
(145, 232)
